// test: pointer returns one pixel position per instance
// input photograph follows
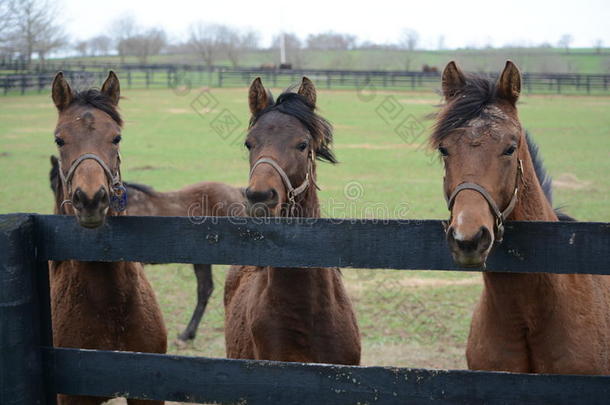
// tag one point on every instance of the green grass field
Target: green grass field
(414, 319)
(546, 60)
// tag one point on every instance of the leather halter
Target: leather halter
(500, 215)
(118, 193)
(291, 192)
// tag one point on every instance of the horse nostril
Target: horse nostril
(101, 197)
(77, 198)
(260, 196)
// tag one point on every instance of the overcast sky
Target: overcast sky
(461, 22)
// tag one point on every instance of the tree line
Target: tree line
(33, 29)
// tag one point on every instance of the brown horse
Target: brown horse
(535, 323)
(107, 306)
(200, 199)
(288, 314)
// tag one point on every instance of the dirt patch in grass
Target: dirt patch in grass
(570, 181)
(424, 101)
(179, 111)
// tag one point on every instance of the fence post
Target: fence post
(21, 373)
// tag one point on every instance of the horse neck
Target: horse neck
(522, 290)
(532, 204)
(281, 279)
(101, 282)
(307, 205)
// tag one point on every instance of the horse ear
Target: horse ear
(112, 88)
(452, 80)
(308, 90)
(61, 92)
(509, 83)
(258, 97)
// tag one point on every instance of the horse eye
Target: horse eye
(443, 151)
(117, 139)
(511, 149)
(248, 145)
(60, 142)
(302, 146)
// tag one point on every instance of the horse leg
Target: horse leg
(79, 400)
(205, 286)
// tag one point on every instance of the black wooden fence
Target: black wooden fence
(32, 371)
(190, 76)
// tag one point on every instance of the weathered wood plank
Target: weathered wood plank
(21, 376)
(559, 247)
(190, 379)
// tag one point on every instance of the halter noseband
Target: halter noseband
(118, 192)
(291, 192)
(500, 215)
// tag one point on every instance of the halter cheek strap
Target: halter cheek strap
(499, 215)
(118, 193)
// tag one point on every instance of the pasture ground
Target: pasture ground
(415, 319)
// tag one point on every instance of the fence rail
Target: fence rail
(32, 372)
(563, 247)
(180, 76)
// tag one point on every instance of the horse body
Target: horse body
(535, 323)
(200, 199)
(307, 324)
(288, 314)
(105, 306)
(94, 305)
(541, 323)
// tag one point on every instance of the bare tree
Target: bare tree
(7, 17)
(7, 22)
(565, 41)
(100, 45)
(82, 48)
(236, 43)
(142, 46)
(37, 29)
(409, 39)
(123, 29)
(331, 41)
(206, 40)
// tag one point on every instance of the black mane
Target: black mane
(297, 106)
(469, 102)
(96, 99)
(546, 182)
